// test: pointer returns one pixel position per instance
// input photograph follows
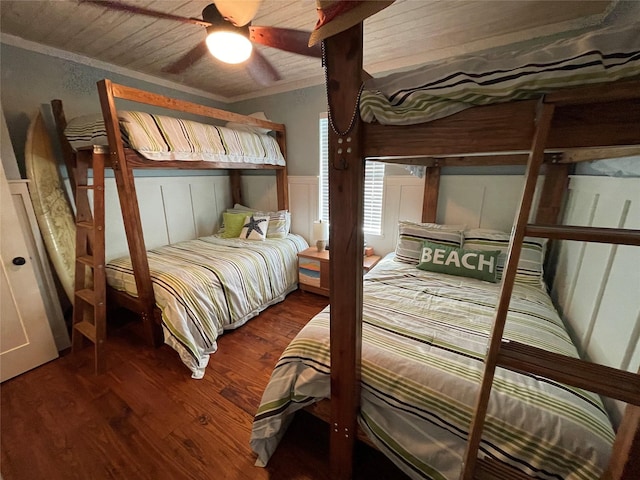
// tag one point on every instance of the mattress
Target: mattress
(424, 339)
(441, 89)
(158, 137)
(212, 284)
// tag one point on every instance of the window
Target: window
(373, 186)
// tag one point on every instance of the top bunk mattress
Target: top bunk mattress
(443, 88)
(158, 137)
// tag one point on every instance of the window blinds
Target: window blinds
(373, 186)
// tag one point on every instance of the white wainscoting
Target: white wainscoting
(181, 208)
(597, 286)
(304, 199)
(487, 201)
(172, 209)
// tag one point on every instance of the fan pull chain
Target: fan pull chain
(329, 109)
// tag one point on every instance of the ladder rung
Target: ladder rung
(87, 295)
(488, 468)
(84, 187)
(87, 329)
(87, 225)
(606, 381)
(618, 236)
(86, 260)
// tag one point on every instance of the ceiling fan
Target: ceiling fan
(227, 22)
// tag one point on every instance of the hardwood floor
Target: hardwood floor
(147, 419)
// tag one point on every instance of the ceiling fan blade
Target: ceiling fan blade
(123, 7)
(287, 39)
(238, 13)
(261, 70)
(188, 59)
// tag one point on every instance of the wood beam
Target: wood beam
(624, 463)
(130, 211)
(555, 185)
(343, 65)
(236, 186)
(282, 180)
(430, 197)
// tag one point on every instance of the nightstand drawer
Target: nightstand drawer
(313, 269)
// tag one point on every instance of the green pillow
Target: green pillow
(440, 258)
(233, 223)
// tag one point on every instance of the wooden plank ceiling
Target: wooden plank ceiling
(408, 33)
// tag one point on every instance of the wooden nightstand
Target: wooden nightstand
(313, 270)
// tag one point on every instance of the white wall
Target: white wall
(179, 208)
(596, 285)
(172, 209)
(487, 201)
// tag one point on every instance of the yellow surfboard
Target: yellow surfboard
(50, 203)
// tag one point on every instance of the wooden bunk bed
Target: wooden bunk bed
(599, 116)
(91, 291)
(557, 130)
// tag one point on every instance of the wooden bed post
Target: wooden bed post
(282, 180)
(235, 178)
(430, 198)
(343, 63)
(130, 213)
(625, 456)
(556, 180)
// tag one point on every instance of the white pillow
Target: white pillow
(529, 272)
(412, 235)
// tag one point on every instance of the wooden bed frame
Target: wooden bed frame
(90, 252)
(555, 131)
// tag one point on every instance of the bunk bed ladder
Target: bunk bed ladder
(610, 382)
(89, 311)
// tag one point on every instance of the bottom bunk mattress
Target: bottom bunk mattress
(424, 339)
(212, 284)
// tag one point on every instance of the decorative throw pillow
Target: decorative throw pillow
(529, 270)
(233, 223)
(440, 258)
(411, 236)
(237, 208)
(279, 223)
(255, 227)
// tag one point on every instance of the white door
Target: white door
(26, 340)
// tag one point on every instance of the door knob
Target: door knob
(19, 261)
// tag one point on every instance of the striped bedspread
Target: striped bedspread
(424, 338)
(158, 137)
(211, 284)
(440, 89)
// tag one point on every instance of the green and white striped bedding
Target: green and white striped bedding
(211, 284)
(424, 338)
(158, 137)
(440, 89)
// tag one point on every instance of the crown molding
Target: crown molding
(15, 41)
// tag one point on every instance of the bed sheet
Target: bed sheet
(440, 89)
(424, 339)
(212, 284)
(158, 137)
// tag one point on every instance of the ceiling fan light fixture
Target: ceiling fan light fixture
(228, 46)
